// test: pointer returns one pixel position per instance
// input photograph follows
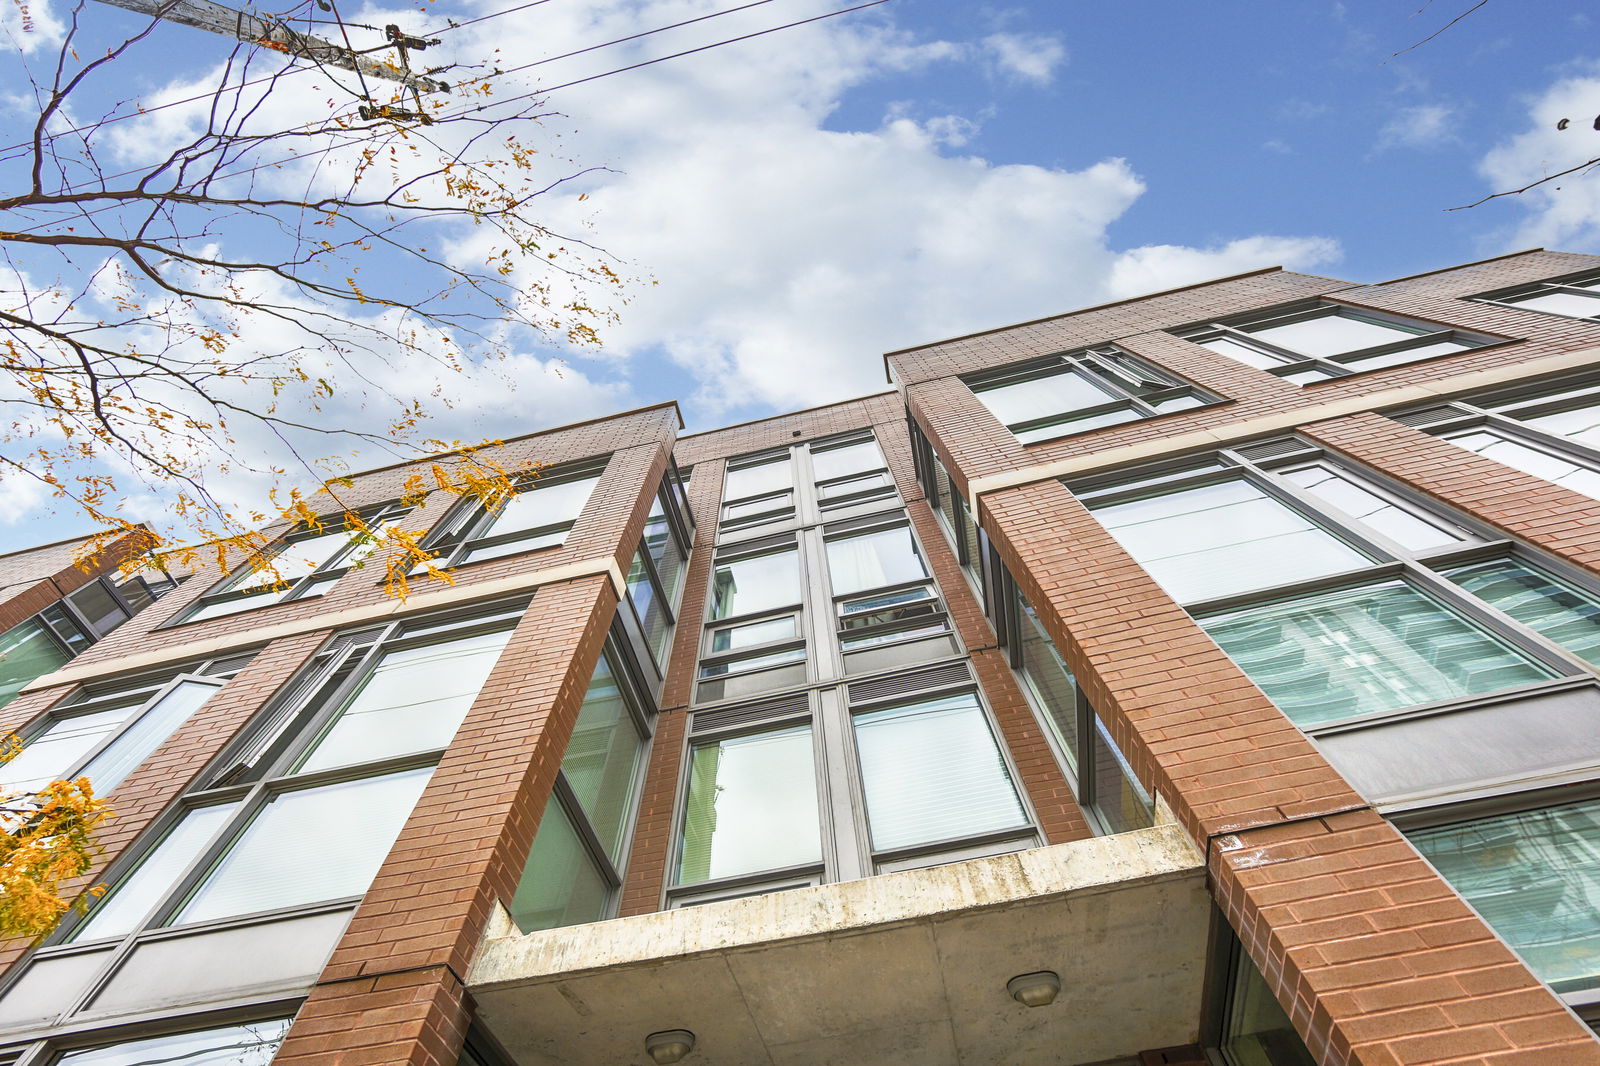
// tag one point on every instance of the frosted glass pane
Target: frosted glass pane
(249, 1044)
(851, 459)
(1078, 425)
(1399, 525)
(758, 480)
(1217, 540)
(752, 806)
(1550, 607)
(1407, 355)
(560, 884)
(294, 562)
(27, 651)
(748, 636)
(1041, 397)
(308, 846)
(1532, 461)
(113, 765)
(602, 758)
(414, 700)
(931, 771)
(1535, 878)
(1580, 424)
(53, 753)
(1333, 334)
(757, 583)
(873, 560)
(1560, 303)
(542, 505)
(1365, 650)
(1243, 353)
(125, 906)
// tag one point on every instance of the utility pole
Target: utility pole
(274, 34)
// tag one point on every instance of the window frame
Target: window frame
(287, 728)
(315, 582)
(465, 528)
(1106, 367)
(670, 496)
(1571, 284)
(1238, 330)
(1260, 463)
(847, 853)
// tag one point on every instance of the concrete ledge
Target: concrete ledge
(903, 969)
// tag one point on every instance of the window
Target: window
(303, 809)
(1577, 297)
(887, 609)
(246, 1044)
(1075, 393)
(1339, 596)
(767, 803)
(302, 565)
(105, 734)
(1104, 784)
(538, 514)
(1252, 1029)
(1550, 433)
(1534, 876)
(49, 640)
(951, 509)
(574, 870)
(803, 483)
(1313, 344)
(656, 576)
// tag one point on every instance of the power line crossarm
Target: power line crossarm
(269, 33)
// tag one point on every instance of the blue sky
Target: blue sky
(806, 200)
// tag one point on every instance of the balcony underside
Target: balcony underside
(905, 969)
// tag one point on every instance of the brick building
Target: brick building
(1212, 676)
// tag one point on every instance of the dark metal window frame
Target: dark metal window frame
(1389, 561)
(1106, 367)
(465, 529)
(847, 853)
(1240, 330)
(1572, 284)
(254, 770)
(333, 567)
(674, 504)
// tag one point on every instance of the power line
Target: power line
(312, 153)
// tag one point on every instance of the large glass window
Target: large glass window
(1255, 1030)
(1339, 595)
(574, 871)
(28, 650)
(1364, 650)
(1535, 878)
(656, 576)
(1222, 539)
(862, 561)
(1307, 345)
(932, 771)
(754, 583)
(1081, 391)
(302, 565)
(1577, 297)
(106, 733)
(539, 513)
(751, 806)
(304, 807)
(1552, 432)
(246, 1044)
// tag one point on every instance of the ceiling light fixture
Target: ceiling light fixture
(669, 1045)
(1033, 989)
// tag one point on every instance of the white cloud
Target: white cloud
(791, 249)
(1027, 57)
(1564, 212)
(31, 25)
(1423, 126)
(1166, 266)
